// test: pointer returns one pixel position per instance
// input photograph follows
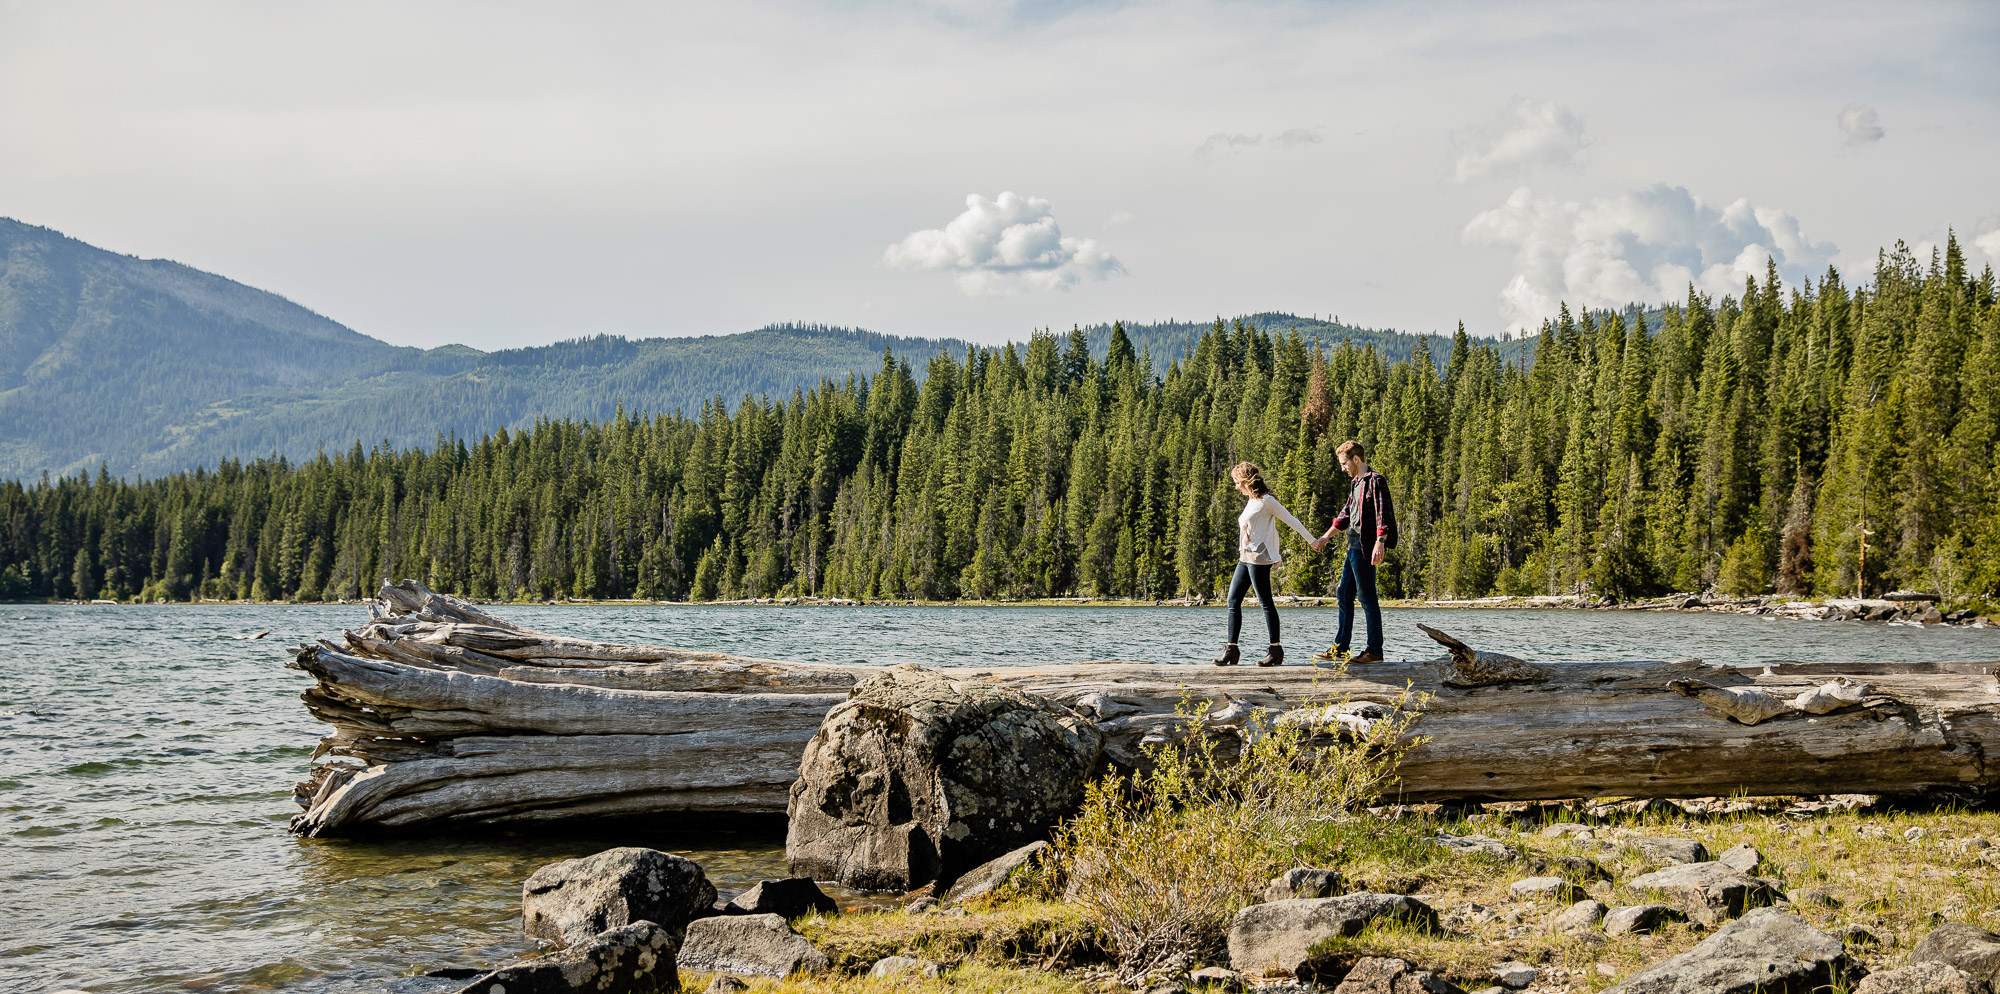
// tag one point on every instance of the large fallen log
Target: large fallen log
(443, 714)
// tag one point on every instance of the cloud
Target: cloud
(1223, 143)
(1858, 125)
(1645, 246)
(1989, 243)
(1529, 133)
(1005, 246)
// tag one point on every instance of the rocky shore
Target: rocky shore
(1716, 896)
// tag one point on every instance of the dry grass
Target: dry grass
(1896, 886)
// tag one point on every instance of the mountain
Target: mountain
(146, 366)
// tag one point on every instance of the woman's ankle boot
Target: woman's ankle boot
(1229, 655)
(1275, 657)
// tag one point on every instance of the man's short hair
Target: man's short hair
(1351, 446)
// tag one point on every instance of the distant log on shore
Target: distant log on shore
(445, 715)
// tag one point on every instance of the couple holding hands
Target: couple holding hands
(1369, 519)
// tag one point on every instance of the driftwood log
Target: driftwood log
(443, 714)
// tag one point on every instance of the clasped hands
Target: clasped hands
(1380, 552)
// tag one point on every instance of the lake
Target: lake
(147, 756)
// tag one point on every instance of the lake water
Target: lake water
(147, 756)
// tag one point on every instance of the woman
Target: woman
(1257, 552)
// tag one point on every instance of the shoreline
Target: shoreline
(1910, 611)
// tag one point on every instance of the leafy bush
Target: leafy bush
(1163, 862)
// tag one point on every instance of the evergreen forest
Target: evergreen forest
(1745, 444)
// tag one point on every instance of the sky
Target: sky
(502, 174)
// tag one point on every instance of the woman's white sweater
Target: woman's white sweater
(1257, 530)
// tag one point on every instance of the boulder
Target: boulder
(1514, 974)
(1384, 975)
(916, 778)
(725, 984)
(1669, 851)
(1742, 859)
(759, 945)
(1764, 952)
(787, 898)
(638, 956)
(1709, 892)
(898, 966)
(1640, 919)
(1580, 917)
(994, 874)
(1276, 937)
(1923, 978)
(1811, 897)
(1544, 889)
(1974, 950)
(571, 901)
(1303, 882)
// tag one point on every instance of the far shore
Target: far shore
(1905, 607)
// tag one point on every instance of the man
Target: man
(1369, 519)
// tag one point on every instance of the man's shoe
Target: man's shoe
(1229, 656)
(1276, 657)
(1333, 654)
(1371, 656)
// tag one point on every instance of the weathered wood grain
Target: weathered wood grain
(444, 715)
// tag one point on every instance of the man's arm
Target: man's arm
(1340, 520)
(1385, 515)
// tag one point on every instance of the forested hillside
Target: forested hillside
(146, 367)
(1748, 443)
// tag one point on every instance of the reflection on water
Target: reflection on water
(147, 756)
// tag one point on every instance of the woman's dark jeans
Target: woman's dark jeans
(1358, 578)
(1248, 575)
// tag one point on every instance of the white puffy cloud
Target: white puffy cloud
(1528, 134)
(1989, 243)
(1859, 125)
(1645, 247)
(1005, 246)
(1224, 143)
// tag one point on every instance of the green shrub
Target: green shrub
(1163, 862)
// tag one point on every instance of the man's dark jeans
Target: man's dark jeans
(1358, 578)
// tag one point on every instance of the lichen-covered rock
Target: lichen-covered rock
(639, 956)
(1742, 859)
(995, 874)
(918, 778)
(1709, 892)
(1544, 889)
(571, 901)
(1580, 917)
(897, 966)
(1972, 949)
(788, 898)
(1386, 975)
(759, 945)
(1923, 978)
(1764, 952)
(1640, 919)
(1670, 851)
(1277, 937)
(1303, 882)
